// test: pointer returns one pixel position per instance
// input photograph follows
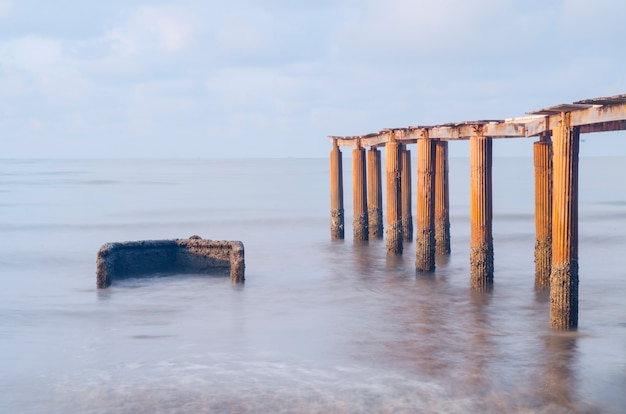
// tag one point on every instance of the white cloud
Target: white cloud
(409, 26)
(245, 34)
(32, 54)
(5, 8)
(39, 65)
(264, 72)
(153, 29)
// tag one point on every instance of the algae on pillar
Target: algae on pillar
(543, 211)
(336, 193)
(374, 194)
(425, 240)
(481, 213)
(359, 187)
(407, 217)
(442, 199)
(564, 269)
(394, 199)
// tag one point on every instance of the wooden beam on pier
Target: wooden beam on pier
(543, 211)
(374, 194)
(591, 115)
(359, 190)
(564, 269)
(442, 199)
(336, 194)
(394, 198)
(425, 238)
(375, 139)
(407, 205)
(481, 248)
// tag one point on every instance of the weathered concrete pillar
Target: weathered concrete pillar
(425, 240)
(481, 213)
(442, 199)
(374, 194)
(394, 199)
(359, 189)
(336, 193)
(407, 207)
(564, 270)
(543, 211)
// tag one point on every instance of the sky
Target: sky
(274, 78)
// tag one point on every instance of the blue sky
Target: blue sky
(273, 78)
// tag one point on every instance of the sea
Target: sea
(319, 326)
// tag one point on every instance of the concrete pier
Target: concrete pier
(543, 211)
(481, 246)
(407, 205)
(374, 194)
(336, 194)
(564, 270)
(393, 161)
(556, 191)
(442, 199)
(359, 188)
(425, 238)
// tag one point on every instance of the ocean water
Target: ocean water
(319, 326)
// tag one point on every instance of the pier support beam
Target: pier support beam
(425, 240)
(336, 193)
(407, 207)
(564, 271)
(481, 213)
(393, 163)
(359, 189)
(442, 199)
(543, 211)
(374, 194)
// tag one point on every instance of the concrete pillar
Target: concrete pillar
(543, 211)
(481, 213)
(425, 240)
(359, 188)
(394, 199)
(336, 193)
(374, 194)
(442, 199)
(407, 208)
(564, 269)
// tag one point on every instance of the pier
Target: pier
(557, 131)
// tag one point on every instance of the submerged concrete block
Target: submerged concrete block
(192, 255)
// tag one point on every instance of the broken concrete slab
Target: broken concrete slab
(146, 257)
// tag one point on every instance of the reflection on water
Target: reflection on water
(320, 326)
(559, 376)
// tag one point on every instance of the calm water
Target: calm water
(319, 326)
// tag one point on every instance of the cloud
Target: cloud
(135, 74)
(5, 8)
(246, 34)
(39, 65)
(401, 27)
(153, 29)
(32, 54)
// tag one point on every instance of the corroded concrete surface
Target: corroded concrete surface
(193, 255)
(543, 257)
(360, 228)
(481, 267)
(375, 224)
(564, 296)
(336, 224)
(425, 250)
